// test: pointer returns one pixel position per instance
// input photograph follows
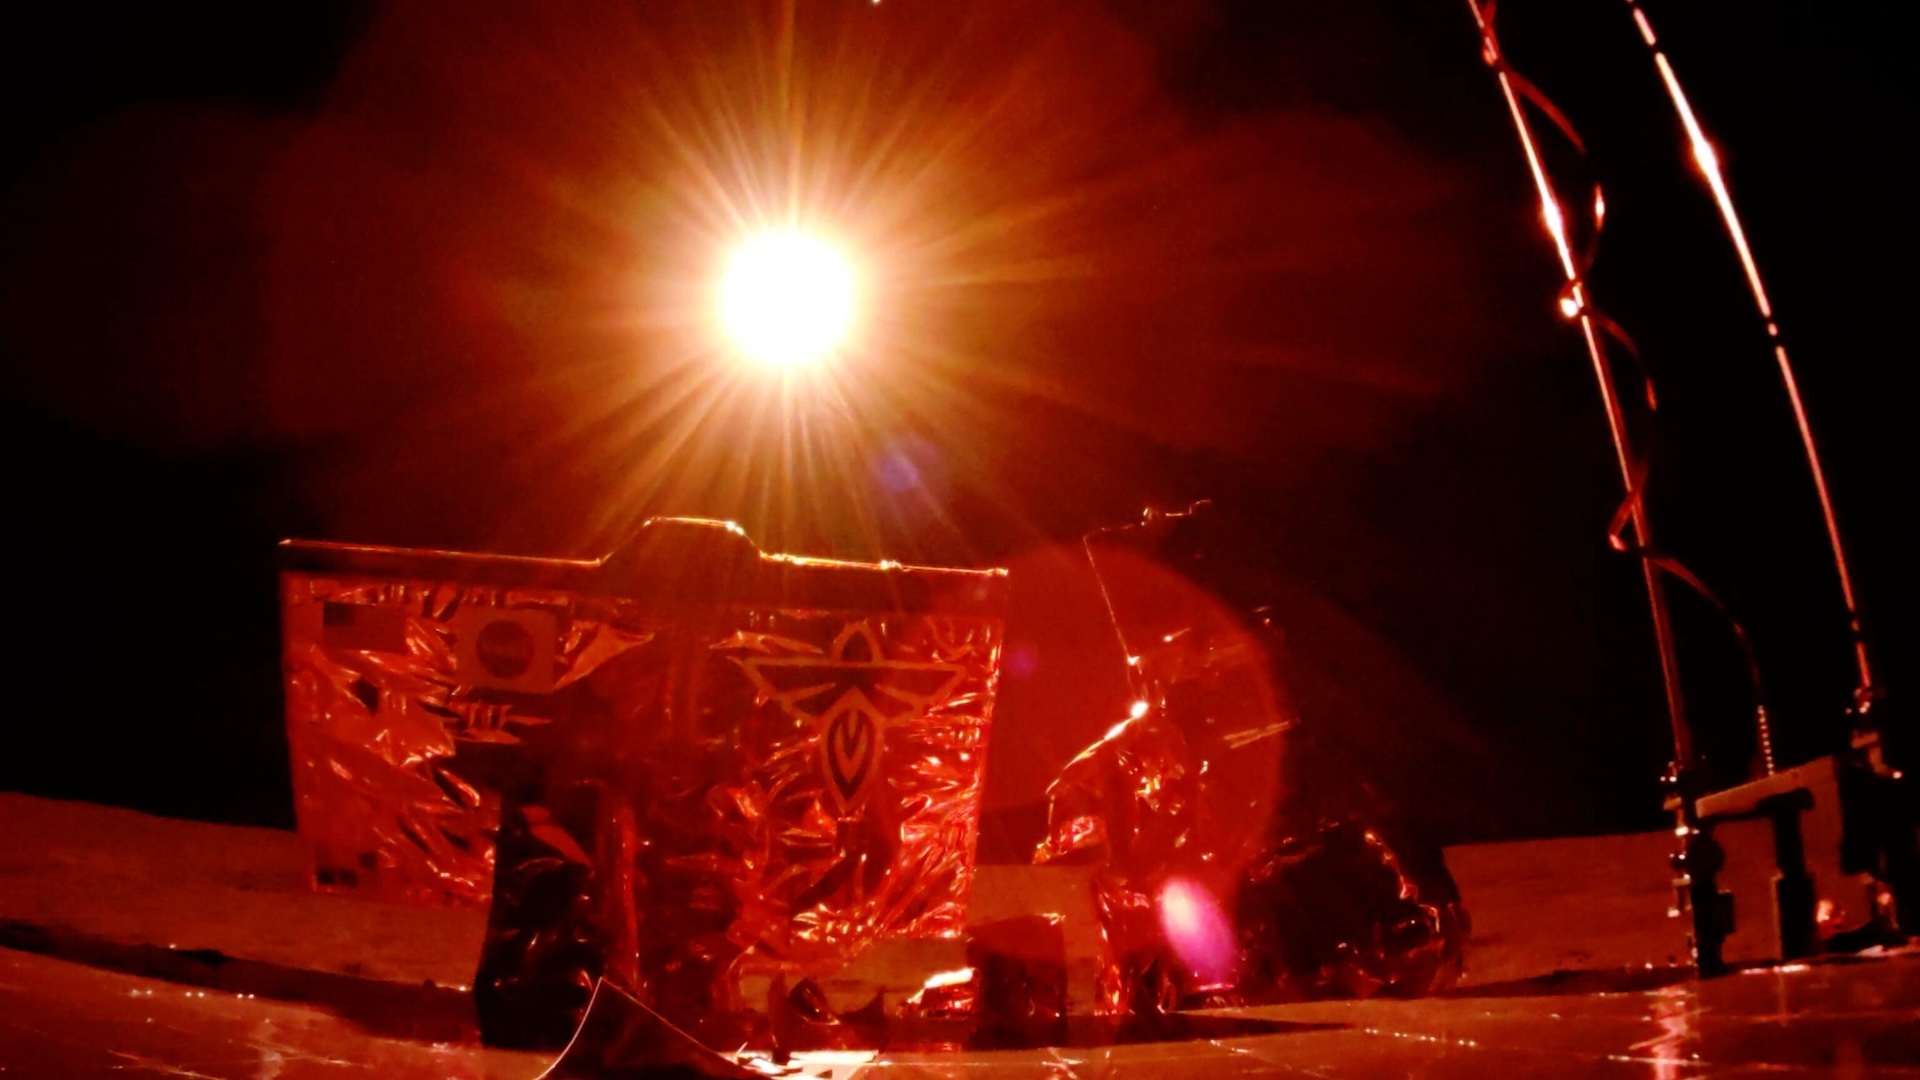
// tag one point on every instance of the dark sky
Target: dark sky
(418, 273)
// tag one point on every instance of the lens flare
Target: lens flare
(1198, 929)
(787, 299)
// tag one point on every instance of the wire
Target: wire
(1597, 328)
(1865, 693)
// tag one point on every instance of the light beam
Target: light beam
(787, 299)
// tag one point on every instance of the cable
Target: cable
(1865, 693)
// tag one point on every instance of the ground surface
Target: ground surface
(138, 946)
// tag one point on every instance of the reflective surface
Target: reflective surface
(1854, 1019)
(63, 1020)
(1240, 861)
(767, 795)
(705, 767)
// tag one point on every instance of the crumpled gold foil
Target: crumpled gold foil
(1236, 860)
(703, 765)
(396, 757)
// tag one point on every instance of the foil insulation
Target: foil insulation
(402, 737)
(704, 766)
(1238, 860)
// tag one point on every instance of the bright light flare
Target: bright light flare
(1197, 928)
(787, 299)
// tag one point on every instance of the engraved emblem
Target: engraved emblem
(851, 696)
